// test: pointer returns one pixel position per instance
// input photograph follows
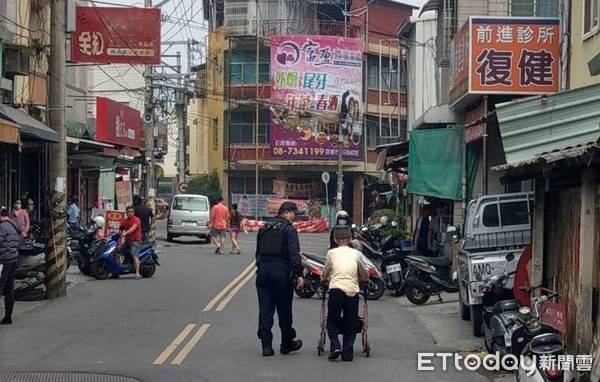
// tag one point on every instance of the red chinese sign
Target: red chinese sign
(508, 55)
(116, 35)
(554, 315)
(113, 221)
(117, 123)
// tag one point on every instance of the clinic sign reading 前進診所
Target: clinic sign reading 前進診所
(510, 55)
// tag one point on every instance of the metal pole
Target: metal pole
(340, 170)
(57, 256)
(379, 89)
(150, 190)
(256, 156)
(485, 153)
(181, 119)
(365, 105)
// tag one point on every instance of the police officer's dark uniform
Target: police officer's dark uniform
(278, 267)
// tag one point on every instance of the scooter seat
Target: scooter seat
(546, 343)
(441, 261)
(314, 257)
(506, 306)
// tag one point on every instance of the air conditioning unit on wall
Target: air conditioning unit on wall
(240, 17)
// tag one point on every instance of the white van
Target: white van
(189, 215)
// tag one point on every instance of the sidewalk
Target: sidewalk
(74, 278)
(449, 331)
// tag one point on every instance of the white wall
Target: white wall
(110, 81)
(421, 66)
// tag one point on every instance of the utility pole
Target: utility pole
(340, 160)
(57, 254)
(150, 190)
(182, 121)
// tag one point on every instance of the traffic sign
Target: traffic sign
(325, 177)
(183, 187)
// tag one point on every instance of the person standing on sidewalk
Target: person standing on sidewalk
(278, 268)
(22, 216)
(10, 240)
(343, 268)
(219, 219)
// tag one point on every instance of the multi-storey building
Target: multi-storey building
(233, 119)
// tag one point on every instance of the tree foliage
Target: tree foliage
(207, 185)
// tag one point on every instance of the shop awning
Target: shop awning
(30, 126)
(435, 163)
(9, 132)
(533, 127)
(431, 5)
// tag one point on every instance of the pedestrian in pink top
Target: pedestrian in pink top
(21, 215)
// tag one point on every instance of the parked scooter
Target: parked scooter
(313, 269)
(112, 261)
(428, 276)
(369, 241)
(394, 270)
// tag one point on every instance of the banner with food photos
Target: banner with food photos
(316, 86)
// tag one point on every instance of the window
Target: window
(538, 8)
(190, 204)
(389, 75)
(241, 128)
(490, 216)
(514, 213)
(590, 17)
(387, 134)
(245, 185)
(215, 131)
(243, 68)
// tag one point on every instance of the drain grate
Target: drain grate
(57, 376)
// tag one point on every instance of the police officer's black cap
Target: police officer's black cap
(288, 206)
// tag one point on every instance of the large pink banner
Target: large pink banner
(316, 87)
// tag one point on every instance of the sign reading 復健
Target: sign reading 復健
(117, 123)
(316, 85)
(116, 35)
(510, 55)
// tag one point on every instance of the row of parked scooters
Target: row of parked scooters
(399, 270)
(104, 257)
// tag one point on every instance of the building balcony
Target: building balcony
(267, 28)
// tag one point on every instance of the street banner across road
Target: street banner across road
(105, 35)
(316, 84)
(506, 55)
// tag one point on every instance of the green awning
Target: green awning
(435, 163)
(75, 129)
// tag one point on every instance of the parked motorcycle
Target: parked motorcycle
(428, 276)
(394, 270)
(533, 340)
(82, 244)
(313, 269)
(369, 240)
(113, 261)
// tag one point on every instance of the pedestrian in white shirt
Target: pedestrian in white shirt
(343, 268)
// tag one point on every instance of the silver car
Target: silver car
(189, 215)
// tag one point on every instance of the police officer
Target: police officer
(278, 268)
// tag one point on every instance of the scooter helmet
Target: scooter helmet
(342, 219)
(99, 220)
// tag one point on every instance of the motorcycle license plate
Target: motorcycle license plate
(393, 268)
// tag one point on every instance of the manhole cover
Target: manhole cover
(57, 376)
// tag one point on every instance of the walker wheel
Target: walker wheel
(319, 351)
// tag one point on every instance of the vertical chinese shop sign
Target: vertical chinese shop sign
(514, 55)
(316, 84)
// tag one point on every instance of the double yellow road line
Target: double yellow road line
(217, 304)
(230, 290)
(183, 353)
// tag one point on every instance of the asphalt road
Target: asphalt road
(181, 326)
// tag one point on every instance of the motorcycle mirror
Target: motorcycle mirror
(353, 226)
(364, 229)
(510, 257)
(394, 223)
